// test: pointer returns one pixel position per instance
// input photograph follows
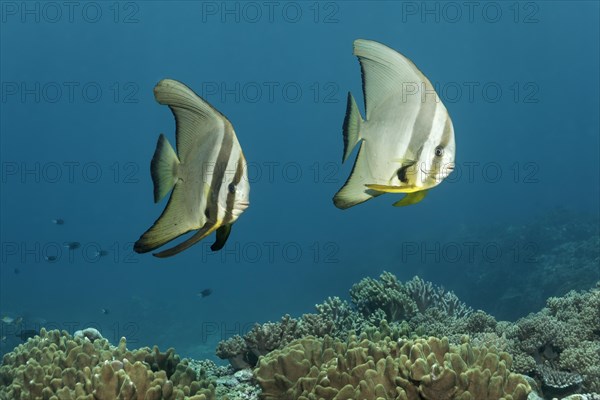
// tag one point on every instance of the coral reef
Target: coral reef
(55, 365)
(243, 352)
(427, 296)
(90, 333)
(555, 382)
(230, 384)
(373, 301)
(236, 351)
(400, 302)
(387, 295)
(315, 368)
(566, 333)
(334, 318)
(370, 348)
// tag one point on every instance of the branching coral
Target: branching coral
(243, 352)
(566, 333)
(426, 296)
(334, 318)
(338, 314)
(386, 294)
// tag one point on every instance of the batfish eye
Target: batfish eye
(439, 151)
(231, 188)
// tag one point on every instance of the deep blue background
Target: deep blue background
(541, 133)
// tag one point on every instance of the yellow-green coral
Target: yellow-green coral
(56, 366)
(311, 369)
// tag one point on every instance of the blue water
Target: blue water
(79, 126)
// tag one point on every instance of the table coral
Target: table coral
(556, 382)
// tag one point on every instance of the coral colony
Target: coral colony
(393, 340)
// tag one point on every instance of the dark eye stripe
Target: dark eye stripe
(402, 172)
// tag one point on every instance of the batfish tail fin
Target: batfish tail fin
(351, 129)
(163, 168)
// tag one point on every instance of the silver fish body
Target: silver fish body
(407, 139)
(208, 174)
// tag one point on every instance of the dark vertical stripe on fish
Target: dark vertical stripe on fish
(219, 170)
(231, 196)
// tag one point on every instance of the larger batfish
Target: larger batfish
(407, 140)
(208, 174)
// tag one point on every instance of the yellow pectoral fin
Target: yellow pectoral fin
(389, 189)
(411, 198)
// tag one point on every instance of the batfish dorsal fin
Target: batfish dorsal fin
(384, 72)
(194, 117)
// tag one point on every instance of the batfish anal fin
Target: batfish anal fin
(174, 221)
(198, 236)
(411, 198)
(222, 235)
